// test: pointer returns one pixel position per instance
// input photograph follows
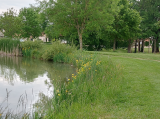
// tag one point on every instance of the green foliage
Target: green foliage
(126, 24)
(30, 23)
(57, 52)
(82, 17)
(8, 44)
(28, 46)
(37, 44)
(10, 23)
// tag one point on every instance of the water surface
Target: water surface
(23, 82)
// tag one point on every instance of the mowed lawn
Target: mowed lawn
(139, 96)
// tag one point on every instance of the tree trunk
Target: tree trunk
(129, 46)
(148, 45)
(135, 46)
(142, 48)
(154, 46)
(114, 45)
(139, 46)
(80, 40)
(157, 45)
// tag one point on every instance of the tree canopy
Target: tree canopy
(82, 16)
(10, 23)
(30, 26)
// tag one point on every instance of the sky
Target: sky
(16, 4)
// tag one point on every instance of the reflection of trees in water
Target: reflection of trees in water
(29, 69)
(7, 69)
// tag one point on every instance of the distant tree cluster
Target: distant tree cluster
(91, 23)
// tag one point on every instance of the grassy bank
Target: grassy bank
(89, 92)
(131, 92)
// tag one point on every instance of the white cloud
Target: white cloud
(16, 4)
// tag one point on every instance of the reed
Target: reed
(9, 46)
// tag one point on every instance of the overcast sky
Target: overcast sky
(16, 4)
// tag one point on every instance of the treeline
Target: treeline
(89, 24)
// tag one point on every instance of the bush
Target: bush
(33, 45)
(29, 46)
(58, 52)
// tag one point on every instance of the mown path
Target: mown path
(139, 97)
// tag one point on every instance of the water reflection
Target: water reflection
(25, 81)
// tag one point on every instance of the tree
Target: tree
(126, 24)
(40, 9)
(149, 10)
(81, 15)
(31, 27)
(10, 23)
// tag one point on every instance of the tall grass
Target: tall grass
(96, 81)
(9, 45)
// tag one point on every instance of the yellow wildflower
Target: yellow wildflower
(59, 94)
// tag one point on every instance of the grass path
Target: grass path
(139, 97)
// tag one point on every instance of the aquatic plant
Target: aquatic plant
(10, 46)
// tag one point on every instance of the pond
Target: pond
(23, 82)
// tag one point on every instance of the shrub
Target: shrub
(33, 45)
(58, 52)
(29, 46)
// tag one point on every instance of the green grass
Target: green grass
(131, 92)
(124, 50)
(143, 56)
(140, 93)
